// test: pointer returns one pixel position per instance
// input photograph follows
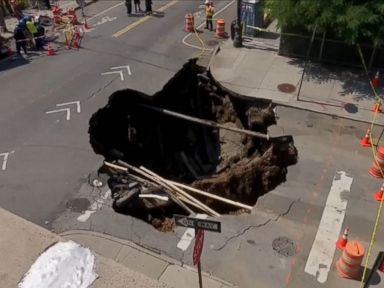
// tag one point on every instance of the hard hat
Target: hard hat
(207, 2)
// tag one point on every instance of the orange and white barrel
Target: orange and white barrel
(377, 164)
(189, 23)
(220, 28)
(349, 264)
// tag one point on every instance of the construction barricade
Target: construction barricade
(220, 28)
(377, 163)
(349, 264)
(189, 23)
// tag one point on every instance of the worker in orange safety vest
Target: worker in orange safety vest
(209, 11)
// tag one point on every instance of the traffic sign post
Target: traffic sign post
(378, 265)
(197, 250)
(199, 225)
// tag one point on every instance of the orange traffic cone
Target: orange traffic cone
(376, 107)
(379, 195)
(375, 80)
(76, 37)
(75, 44)
(366, 142)
(86, 27)
(50, 50)
(340, 244)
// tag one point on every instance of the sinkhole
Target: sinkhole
(157, 132)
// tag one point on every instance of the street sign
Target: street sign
(213, 226)
(199, 225)
(199, 242)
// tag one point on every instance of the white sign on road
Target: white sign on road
(5, 159)
(105, 19)
(67, 110)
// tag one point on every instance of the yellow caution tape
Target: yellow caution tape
(378, 216)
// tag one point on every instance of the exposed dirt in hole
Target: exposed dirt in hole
(233, 165)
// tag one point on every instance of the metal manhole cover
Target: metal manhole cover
(351, 108)
(286, 87)
(284, 246)
(212, 42)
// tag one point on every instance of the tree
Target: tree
(349, 20)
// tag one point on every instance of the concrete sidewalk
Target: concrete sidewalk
(137, 258)
(119, 263)
(258, 71)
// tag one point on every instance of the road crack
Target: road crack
(246, 229)
(93, 94)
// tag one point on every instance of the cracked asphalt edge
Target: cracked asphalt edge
(242, 232)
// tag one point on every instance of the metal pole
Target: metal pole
(199, 267)
(199, 272)
(238, 39)
(306, 62)
(378, 261)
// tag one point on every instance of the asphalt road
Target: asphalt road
(243, 253)
(49, 158)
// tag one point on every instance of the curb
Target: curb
(158, 255)
(288, 104)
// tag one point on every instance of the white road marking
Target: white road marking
(120, 72)
(61, 110)
(94, 207)
(5, 159)
(106, 10)
(78, 109)
(201, 25)
(115, 72)
(105, 19)
(188, 235)
(323, 249)
(122, 67)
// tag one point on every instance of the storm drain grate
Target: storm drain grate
(284, 246)
(286, 87)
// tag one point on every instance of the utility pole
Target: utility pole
(238, 38)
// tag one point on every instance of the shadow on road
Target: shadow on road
(13, 62)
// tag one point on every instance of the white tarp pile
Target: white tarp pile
(64, 265)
